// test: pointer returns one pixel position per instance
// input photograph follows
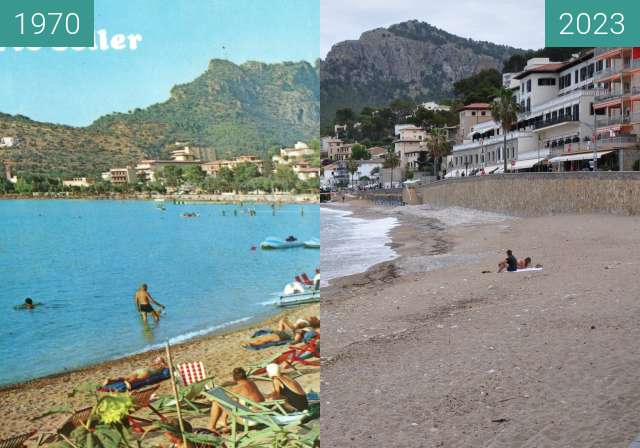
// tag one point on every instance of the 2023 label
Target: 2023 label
(592, 23)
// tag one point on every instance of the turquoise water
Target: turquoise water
(85, 259)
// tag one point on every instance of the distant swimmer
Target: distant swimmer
(27, 305)
(142, 302)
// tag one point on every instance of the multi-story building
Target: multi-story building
(188, 151)
(288, 156)
(412, 141)
(82, 182)
(125, 175)
(470, 116)
(563, 105)
(150, 170)
(433, 106)
(213, 168)
(618, 120)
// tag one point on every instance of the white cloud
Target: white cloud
(511, 22)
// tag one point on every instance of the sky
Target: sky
(179, 39)
(518, 23)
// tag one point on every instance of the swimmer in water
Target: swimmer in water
(27, 305)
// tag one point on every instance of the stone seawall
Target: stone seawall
(535, 194)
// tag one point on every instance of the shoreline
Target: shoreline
(220, 351)
(255, 321)
(222, 199)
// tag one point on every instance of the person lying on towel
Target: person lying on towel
(303, 330)
(139, 375)
(243, 387)
(268, 338)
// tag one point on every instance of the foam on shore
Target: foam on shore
(352, 245)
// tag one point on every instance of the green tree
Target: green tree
(23, 186)
(194, 175)
(504, 110)
(172, 175)
(392, 161)
(285, 178)
(439, 147)
(352, 167)
(479, 88)
(359, 152)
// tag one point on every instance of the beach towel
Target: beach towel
(267, 345)
(261, 332)
(121, 386)
(528, 270)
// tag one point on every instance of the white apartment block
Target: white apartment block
(563, 105)
(411, 142)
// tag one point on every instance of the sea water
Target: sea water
(84, 261)
(352, 245)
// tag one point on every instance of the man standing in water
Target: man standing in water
(143, 299)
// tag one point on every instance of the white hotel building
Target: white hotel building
(556, 124)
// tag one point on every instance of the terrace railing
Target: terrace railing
(612, 121)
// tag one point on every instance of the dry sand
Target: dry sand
(220, 353)
(427, 351)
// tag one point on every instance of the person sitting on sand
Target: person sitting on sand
(243, 387)
(510, 263)
(287, 389)
(27, 305)
(141, 374)
(143, 299)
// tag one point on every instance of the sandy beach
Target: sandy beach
(429, 351)
(220, 353)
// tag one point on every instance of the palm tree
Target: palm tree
(439, 146)
(352, 167)
(392, 161)
(504, 109)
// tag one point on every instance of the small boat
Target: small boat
(277, 243)
(189, 215)
(296, 294)
(313, 243)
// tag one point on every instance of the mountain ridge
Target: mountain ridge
(246, 108)
(411, 60)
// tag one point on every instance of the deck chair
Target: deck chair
(302, 355)
(306, 280)
(78, 418)
(16, 441)
(193, 380)
(142, 399)
(269, 413)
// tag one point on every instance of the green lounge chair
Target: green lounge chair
(269, 413)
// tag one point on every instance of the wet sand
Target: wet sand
(428, 351)
(220, 353)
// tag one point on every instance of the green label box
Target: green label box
(592, 23)
(46, 23)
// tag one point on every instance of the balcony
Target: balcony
(559, 120)
(612, 121)
(634, 117)
(610, 71)
(603, 50)
(619, 141)
(610, 95)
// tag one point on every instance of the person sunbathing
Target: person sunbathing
(243, 387)
(524, 264)
(141, 374)
(276, 336)
(303, 329)
(287, 389)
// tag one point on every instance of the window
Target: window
(476, 159)
(528, 104)
(599, 66)
(546, 82)
(528, 85)
(576, 112)
(583, 73)
(591, 109)
(568, 110)
(576, 77)
(561, 83)
(591, 70)
(554, 115)
(483, 113)
(473, 114)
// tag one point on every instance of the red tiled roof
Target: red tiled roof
(546, 68)
(477, 106)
